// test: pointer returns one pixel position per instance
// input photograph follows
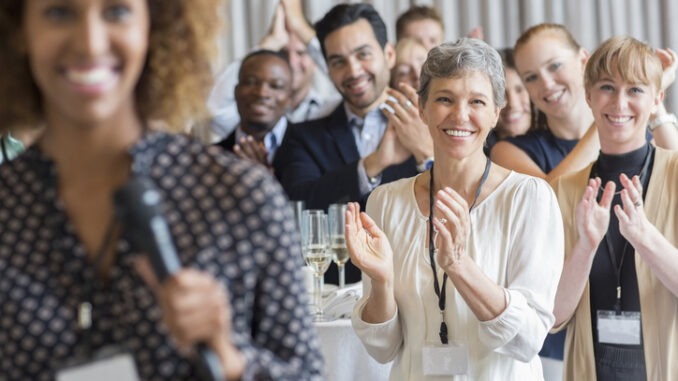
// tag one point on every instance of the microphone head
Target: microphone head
(138, 205)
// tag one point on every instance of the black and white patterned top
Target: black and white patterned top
(227, 217)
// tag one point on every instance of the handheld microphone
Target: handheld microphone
(138, 205)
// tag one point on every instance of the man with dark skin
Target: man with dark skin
(262, 96)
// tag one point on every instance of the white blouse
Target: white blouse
(516, 239)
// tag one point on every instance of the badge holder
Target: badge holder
(107, 364)
(444, 359)
(619, 327)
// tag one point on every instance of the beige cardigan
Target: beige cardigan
(659, 307)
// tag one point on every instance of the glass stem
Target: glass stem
(319, 294)
(342, 276)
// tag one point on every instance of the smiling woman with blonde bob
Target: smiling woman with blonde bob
(474, 298)
(618, 294)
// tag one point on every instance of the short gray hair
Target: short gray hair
(453, 59)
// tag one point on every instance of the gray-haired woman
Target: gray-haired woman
(475, 298)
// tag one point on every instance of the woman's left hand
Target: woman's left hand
(452, 223)
(632, 220)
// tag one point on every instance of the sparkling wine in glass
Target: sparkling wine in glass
(314, 245)
(337, 221)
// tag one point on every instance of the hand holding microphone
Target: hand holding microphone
(195, 305)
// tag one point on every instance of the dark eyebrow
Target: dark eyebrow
(356, 50)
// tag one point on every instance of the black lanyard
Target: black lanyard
(608, 240)
(440, 293)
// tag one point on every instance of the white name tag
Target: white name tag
(117, 367)
(444, 360)
(619, 329)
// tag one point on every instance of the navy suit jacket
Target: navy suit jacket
(318, 163)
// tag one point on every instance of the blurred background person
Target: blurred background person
(422, 23)
(516, 117)
(551, 65)
(618, 294)
(100, 76)
(444, 281)
(312, 95)
(344, 156)
(410, 56)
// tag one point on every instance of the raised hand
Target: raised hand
(592, 218)
(277, 37)
(669, 64)
(452, 223)
(295, 21)
(412, 132)
(476, 32)
(368, 246)
(633, 224)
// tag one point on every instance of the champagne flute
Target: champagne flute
(315, 248)
(298, 207)
(337, 222)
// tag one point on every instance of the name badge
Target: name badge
(444, 360)
(109, 367)
(619, 329)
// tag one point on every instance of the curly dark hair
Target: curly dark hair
(175, 81)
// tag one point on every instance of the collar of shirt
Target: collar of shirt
(367, 131)
(307, 108)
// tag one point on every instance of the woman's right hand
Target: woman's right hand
(368, 246)
(592, 217)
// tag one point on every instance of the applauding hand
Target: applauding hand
(368, 246)
(593, 218)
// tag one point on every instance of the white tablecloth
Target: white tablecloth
(345, 357)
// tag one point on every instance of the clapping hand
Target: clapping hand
(251, 149)
(453, 226)
(592, 218)
(633, 223)
(368, 246)
(412, 132)
(277, 36)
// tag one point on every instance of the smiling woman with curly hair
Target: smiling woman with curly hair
(176, 77)
(94, 74)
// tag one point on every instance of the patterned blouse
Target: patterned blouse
(227, 217)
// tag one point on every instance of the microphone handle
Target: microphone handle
(209, 366)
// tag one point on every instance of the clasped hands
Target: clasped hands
(406, 134)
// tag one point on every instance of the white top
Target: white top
(516, 238)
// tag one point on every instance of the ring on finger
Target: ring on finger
(637, 203)
(443, 220)
(408, 104)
